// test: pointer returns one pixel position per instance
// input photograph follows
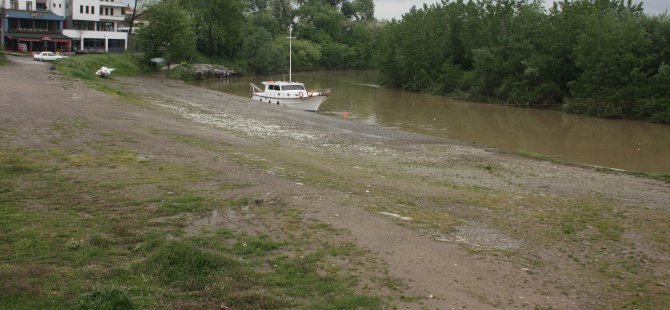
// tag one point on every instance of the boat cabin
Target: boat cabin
(283, 86)
(280, 89)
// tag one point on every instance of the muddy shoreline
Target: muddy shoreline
(459, 225)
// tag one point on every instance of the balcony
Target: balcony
(115, 4)
(112, 18)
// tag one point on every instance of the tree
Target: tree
(359, 9)
(217, 24)
(261, 55)
(168, 32)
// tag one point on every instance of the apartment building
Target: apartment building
(64, 25)
(93, 24)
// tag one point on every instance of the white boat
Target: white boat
(288, 93)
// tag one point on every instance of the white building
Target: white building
(91, 25)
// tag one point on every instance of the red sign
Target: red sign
(46, 38)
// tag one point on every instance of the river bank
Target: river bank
(553, 135)
(421, 222)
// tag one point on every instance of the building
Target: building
(93, 24)
(64, 25)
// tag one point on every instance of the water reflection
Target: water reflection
(630, 145)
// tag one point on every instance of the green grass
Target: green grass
(656, 176)
(98, 226)
(3, 58)
(85, 66)
(185, 203)
(534, 155)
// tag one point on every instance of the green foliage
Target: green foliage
(252, 33)
(597, 57)
(261, 54)
(216, 25)
(168, 32)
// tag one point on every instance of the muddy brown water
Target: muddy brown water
(622, 144)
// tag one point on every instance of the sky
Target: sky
(387, 9)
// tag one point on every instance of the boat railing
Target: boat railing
(254, 88)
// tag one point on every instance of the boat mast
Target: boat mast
(290, 52)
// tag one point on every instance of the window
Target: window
(59, 5)
(83, 25)
(87, 9)
(94, 43)
(293, 87)
(81, 9)
(111, 11)
(105, 26)
(14, 4)
(106, 11)
(29, 6)
(41, 6)
(54, 5)
(116, 45)
(92, 10)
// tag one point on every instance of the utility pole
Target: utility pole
(2, 27)
(130, 28)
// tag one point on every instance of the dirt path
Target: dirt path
(462, 227)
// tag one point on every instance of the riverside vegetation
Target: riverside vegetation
(603, 58)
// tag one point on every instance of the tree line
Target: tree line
(330, 34)
(603, 58)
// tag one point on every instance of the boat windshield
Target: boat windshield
(293, 87)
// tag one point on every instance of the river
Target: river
(622, 144)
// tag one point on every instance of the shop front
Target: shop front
(29, 31)
(35, 42)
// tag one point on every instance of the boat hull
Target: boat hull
(306, 103)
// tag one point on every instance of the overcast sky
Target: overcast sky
(387, 9)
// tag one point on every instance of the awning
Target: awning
(38, 37)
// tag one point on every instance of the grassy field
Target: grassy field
(99, 226)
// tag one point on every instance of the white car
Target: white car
(47, 56)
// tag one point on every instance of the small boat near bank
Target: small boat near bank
(288, 93)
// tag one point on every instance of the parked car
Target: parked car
(47, 56)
